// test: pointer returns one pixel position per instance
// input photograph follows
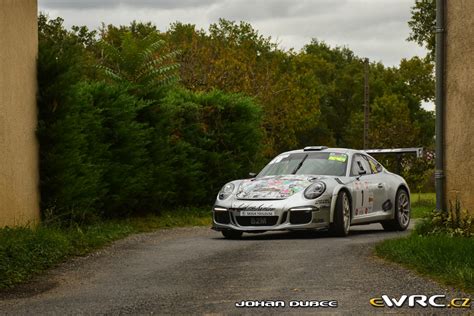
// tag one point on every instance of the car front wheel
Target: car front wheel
(342, 215)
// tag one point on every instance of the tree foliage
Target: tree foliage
(120, 134)
(234, 57)
(203, 140)
(138, 62)
(423, 25)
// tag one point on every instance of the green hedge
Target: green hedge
(106, 152)
(118, 148)
(205, 140)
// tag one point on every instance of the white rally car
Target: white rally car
(315, 188)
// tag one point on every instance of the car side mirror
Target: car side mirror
(362, 172)
(252, 174)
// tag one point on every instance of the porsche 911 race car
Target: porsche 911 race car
(315, 188)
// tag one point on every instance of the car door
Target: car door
(378, 183)
(362, 198)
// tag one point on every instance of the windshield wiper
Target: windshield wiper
(299, 165)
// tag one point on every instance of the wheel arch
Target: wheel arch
(401, 186)
(335, 194)
(404, 187)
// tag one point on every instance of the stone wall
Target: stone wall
(459, 119)
(19, 197)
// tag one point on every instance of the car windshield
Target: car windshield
(310, 163)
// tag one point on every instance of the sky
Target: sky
(376, 29)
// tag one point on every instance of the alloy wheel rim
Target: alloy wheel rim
(346, 212)
(403, 209)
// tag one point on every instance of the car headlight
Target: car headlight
(315, 190)
(226, 191)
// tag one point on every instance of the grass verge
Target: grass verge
(447, 259)
(422, 204)
(25, 252)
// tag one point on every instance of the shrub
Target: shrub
(203, 140)
(128, 170)
(72, 161)
(455, 222)
(94, 156)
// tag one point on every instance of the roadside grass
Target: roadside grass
(25, 252)
(422, 204)
(447, 259)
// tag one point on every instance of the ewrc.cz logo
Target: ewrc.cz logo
(438, 301)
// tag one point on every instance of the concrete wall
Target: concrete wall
(19, 197)
(459, 141)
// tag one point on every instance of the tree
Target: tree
(235, 58)
(70, 178)
(138, 61)
(423, 25)
(62, 61)
(339, 75)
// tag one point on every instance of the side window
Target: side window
(360, 163)
(375, 166)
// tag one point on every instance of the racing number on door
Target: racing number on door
(364, 198)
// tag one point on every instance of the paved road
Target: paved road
(194, 270)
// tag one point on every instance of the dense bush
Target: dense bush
(94, 154)
(113, 147)
(72, 158)
(99, 158)
(203, 140)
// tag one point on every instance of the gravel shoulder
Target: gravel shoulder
(194, 270)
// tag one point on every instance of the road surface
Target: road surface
(194, 270)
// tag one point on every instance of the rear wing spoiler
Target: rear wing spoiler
(418, 151)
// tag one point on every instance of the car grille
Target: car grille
(300, 217)
(257, 220)
(222, 217)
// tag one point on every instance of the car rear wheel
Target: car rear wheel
(342, 215)
(232, 234)
(401, 219)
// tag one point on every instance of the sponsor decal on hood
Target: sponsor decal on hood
(273, 188)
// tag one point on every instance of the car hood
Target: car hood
(274, 187)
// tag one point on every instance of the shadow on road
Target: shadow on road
(362, 230)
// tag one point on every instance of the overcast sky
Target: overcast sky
(371, 28)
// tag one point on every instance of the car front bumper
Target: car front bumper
(297, 218)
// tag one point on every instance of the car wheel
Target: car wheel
(342, 215)
(232, 234)
(402, 211)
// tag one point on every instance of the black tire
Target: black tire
(341, 225)
(232, 234)
(402, 214)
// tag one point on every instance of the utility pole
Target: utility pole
(440, 105)
(366, 103)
